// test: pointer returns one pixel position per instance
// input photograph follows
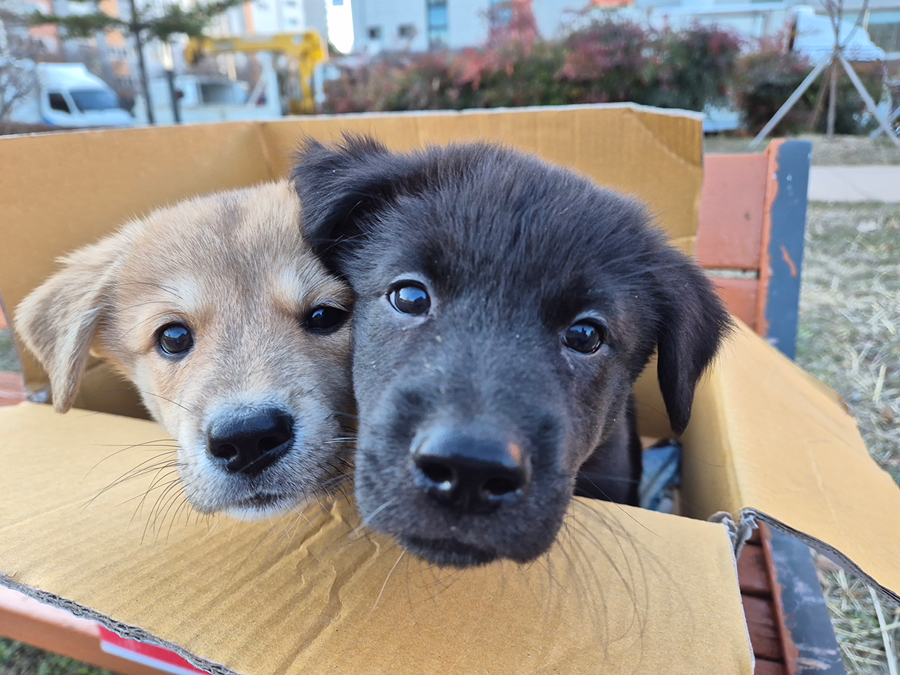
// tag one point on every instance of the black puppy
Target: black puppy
(505, 308)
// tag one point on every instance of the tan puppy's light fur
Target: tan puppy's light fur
(234, 268)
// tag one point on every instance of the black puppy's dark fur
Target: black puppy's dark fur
(512, 252)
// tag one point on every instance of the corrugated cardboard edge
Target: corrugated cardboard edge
(829, 552)
(637, 107)
(121, 629)
(738, 532)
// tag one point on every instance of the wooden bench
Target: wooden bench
(751, 234)
(750, 240)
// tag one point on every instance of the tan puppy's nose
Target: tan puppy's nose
(252, 442)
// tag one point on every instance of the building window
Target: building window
(406, 30)
(58, 102)
(375, 32)
(437, 24)
(886, 35)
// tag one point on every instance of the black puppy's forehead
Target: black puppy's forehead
(515, 227)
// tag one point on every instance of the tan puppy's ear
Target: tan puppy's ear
(59, 319)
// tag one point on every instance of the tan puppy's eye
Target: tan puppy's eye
(325, 319)
(175, 340)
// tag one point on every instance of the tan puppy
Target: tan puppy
(234, 333)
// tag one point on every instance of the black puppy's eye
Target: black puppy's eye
(410, 299)
(585, 337)
(175, 339)
(325, 319)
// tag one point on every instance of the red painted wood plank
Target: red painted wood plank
(12, 388)
(765, 635)
(741, 297)
(752, 573)
(790, 653)
(732, 211)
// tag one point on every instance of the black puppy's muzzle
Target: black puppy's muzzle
(250, 443)
(470, 474)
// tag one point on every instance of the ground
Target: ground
(849, 337)
(19, 659)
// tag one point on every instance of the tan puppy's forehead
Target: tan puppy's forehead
(222, 261)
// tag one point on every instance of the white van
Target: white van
(67, 95)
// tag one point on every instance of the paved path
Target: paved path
(854, 184)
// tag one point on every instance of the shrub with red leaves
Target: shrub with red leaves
(604, 61)
(607, 61)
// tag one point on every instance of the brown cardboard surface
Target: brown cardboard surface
(624, 591)
(624, 147)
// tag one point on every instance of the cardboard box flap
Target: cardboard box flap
(624, 591)
(788, 452)
(637, 146)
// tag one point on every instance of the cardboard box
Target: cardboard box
(624, 591)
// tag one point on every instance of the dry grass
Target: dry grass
(838, 151)
(860, 634)
(849, 333)
(849, 337)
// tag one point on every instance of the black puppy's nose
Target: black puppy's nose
(252, 442)
(470, 474)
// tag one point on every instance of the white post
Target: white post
(870, 104)
(784, 109)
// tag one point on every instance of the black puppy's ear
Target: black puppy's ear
(693, 323)
(338, 186)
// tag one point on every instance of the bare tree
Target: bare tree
(17, 48)
(17, 81)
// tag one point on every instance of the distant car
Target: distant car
(67, 95)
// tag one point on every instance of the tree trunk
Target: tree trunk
(142, 65)
(173, 94)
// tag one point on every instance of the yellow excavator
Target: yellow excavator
(305, 48)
